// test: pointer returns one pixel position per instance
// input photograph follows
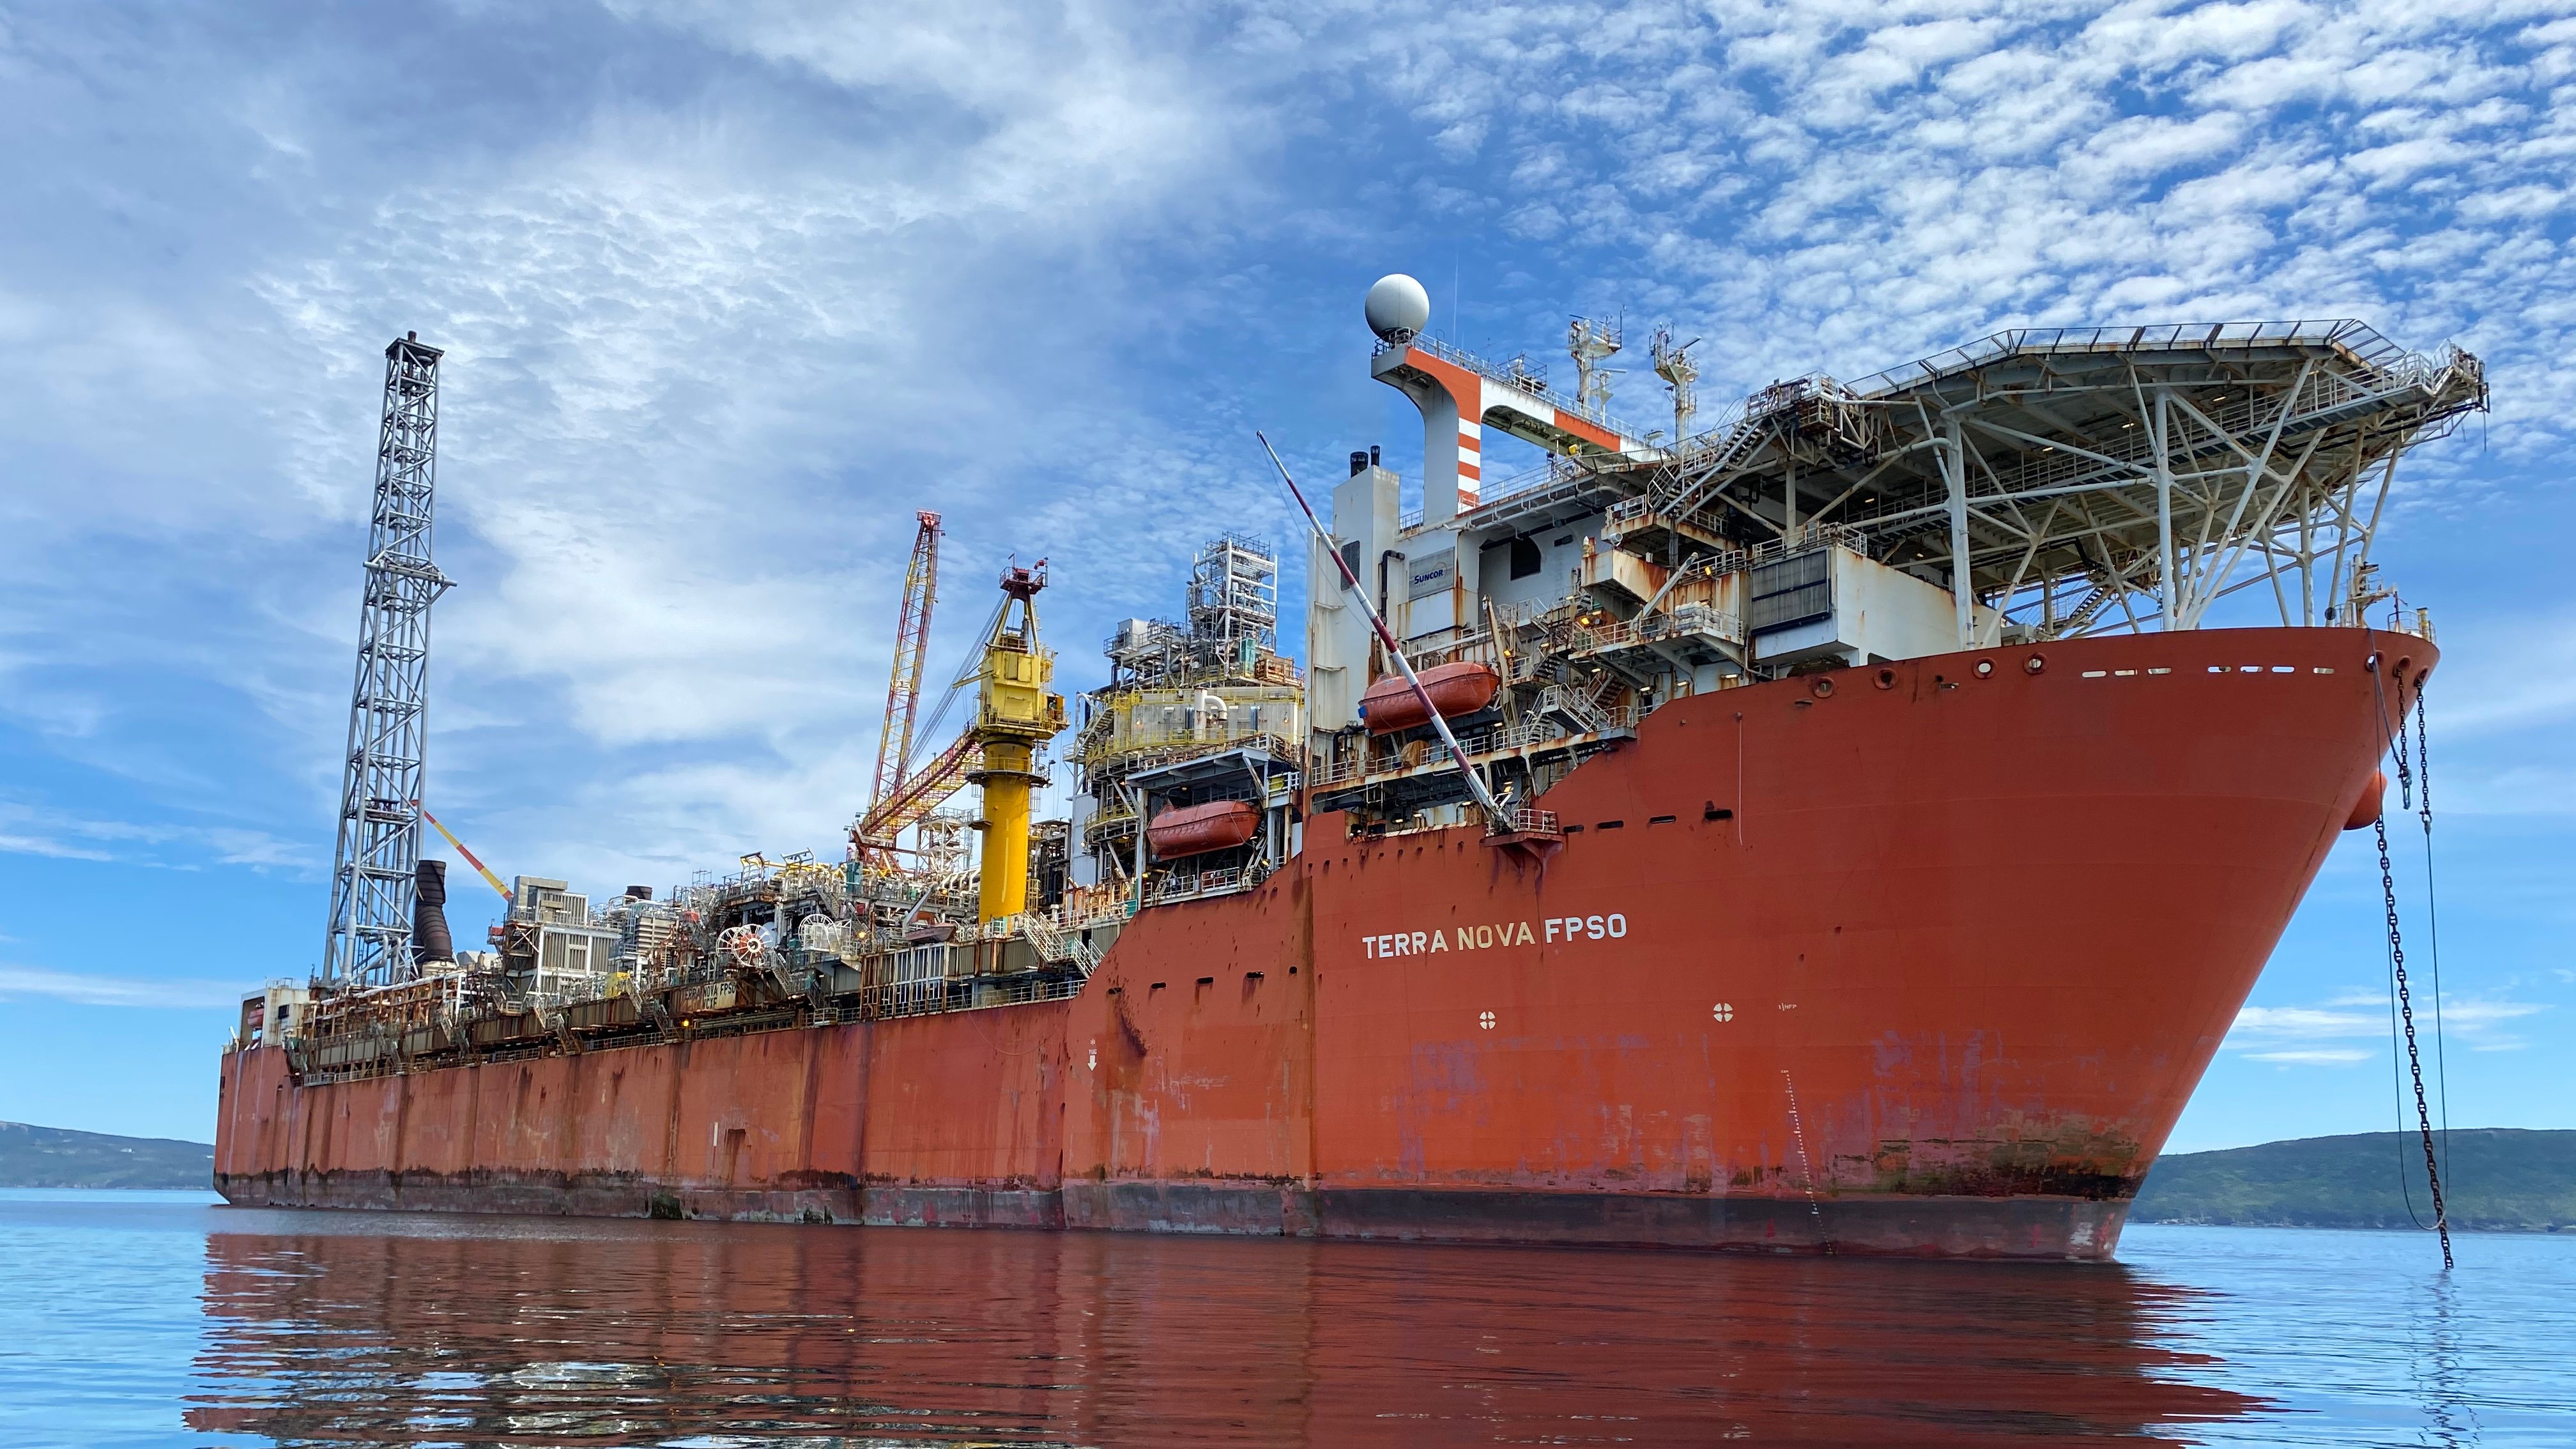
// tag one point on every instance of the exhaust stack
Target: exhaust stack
(430, 940)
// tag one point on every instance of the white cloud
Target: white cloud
(704, 356)
(2481, 1023)
(2312, 1056)
(711, 339)
(1921, 182)
(2305, 1035)
(46, 845)
(152, 992)
(33, 830)
(2504, 673)
(2303, 1022)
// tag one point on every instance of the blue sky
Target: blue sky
(727, 291)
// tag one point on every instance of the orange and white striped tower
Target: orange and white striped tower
(1461, 395)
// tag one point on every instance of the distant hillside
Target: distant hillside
(2498, 1179)
(55, 1157)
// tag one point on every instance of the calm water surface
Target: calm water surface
(142, 1318)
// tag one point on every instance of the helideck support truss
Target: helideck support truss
(2078, 480)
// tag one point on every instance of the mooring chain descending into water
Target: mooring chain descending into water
(2432, 921)
(2405, 997)
(2421, 785)
(2396, 1036)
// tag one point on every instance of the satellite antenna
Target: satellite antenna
(1398, 309)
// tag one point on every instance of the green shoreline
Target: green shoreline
(2499, 1179)
(59, 1157)
(2496, 1180)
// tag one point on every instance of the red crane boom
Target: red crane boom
(911, 645)
(872, 838)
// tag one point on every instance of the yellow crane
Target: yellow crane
(1015, 713)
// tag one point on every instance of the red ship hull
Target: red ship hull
(1905, 959)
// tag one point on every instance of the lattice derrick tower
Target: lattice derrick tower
(378, 851)
(911, 648)
(1234, 596)
(2087, 478)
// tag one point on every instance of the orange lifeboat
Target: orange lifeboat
(1198, 829)
(2365, 811)
(1455, 689)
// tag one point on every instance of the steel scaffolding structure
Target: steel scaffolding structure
(1234, 595)
(2074, 480)
(379, 838)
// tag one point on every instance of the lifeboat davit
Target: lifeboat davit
(1198, 829)
(1455, 689)
(2365, 811)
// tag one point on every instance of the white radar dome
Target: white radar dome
(1398, 308)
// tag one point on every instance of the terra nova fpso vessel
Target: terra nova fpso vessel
(1882, 848)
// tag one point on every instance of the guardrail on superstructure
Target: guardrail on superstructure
(2360, 341)
(1656, 626)
(1533, 731)
(1559, 472)
(1200, 885)
(1520, 382)
(1526, 821)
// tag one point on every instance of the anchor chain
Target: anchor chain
(2432, 915)
(2405, 996)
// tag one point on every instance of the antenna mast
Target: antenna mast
(373, 866)
(1680, 370)
(1590, 343)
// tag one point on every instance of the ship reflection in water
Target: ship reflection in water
(399, 1329)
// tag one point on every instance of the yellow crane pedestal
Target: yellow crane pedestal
(1007, 780)
(1014, 714)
